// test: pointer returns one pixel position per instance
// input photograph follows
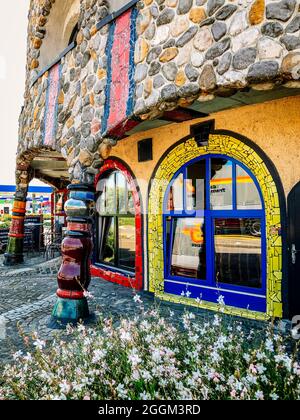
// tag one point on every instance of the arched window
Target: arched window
(116, 238)
(61, 30)
(214, 232)
(119, 251)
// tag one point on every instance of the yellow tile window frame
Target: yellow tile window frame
(175, 159)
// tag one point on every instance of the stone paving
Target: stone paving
(27, 296)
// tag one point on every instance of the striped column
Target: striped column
(14, 254)
(74, 275)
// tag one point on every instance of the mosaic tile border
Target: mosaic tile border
(232, 147)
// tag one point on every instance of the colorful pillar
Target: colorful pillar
(74, 274)
(14, 254)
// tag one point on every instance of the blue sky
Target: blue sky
(13, 27)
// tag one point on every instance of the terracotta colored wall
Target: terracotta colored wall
(274, 126)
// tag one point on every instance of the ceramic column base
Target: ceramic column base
(14, 254)
(69, 311)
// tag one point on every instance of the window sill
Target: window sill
(116, 270)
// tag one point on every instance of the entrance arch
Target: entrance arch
(244, 156)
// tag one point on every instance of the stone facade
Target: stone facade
(184, 50)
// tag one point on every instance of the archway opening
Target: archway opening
(61, 25)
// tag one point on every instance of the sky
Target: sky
(13, 28)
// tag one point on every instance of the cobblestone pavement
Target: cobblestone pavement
(27, 296)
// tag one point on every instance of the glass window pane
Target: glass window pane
(106, 240)
(110, 195)
(121, 191)
(130, 200)
(175, 199)
(247, 195)
(126, 242)
(100, 203)
(221, 184)
(188, 249)
(238, 252)
(195, 186)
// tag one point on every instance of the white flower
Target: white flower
(260, 355)
(40, 344)
(156, 357)
(269, 345)
(17, 355)
(77, 387)
(134, 358)
(65, 387)
(217, 321)
(274, 396)
(259, 395)
(137, 299)
(122, 392)
(88, 295)
(221, 300)
(183, 293)
(125, 335)
(144, 396)
(260, 368)
(98, 355)
(188, 294)
(247, 357)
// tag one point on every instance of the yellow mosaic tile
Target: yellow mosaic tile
(179, 156)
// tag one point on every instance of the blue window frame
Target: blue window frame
(215, 234)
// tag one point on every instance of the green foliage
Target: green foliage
(151, 357)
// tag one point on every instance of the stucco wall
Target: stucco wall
(273, 126)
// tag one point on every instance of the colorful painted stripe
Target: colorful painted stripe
(50, 121)
(120, 81)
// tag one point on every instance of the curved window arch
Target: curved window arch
(119, 237)
(115, 205)
(214, 232)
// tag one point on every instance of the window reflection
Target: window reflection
(127, 242)
(221, 184)
(106, 240)
(238, 251)
(175, 199)
(116, 208)
(110, 195)
(121, 193)
(247, 195)
(188, 253)
(195, 186)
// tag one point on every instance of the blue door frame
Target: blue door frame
(208, 290)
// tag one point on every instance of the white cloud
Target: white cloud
(3, 67)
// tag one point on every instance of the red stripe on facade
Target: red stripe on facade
(120, 65)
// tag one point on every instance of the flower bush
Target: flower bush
(152, 357)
